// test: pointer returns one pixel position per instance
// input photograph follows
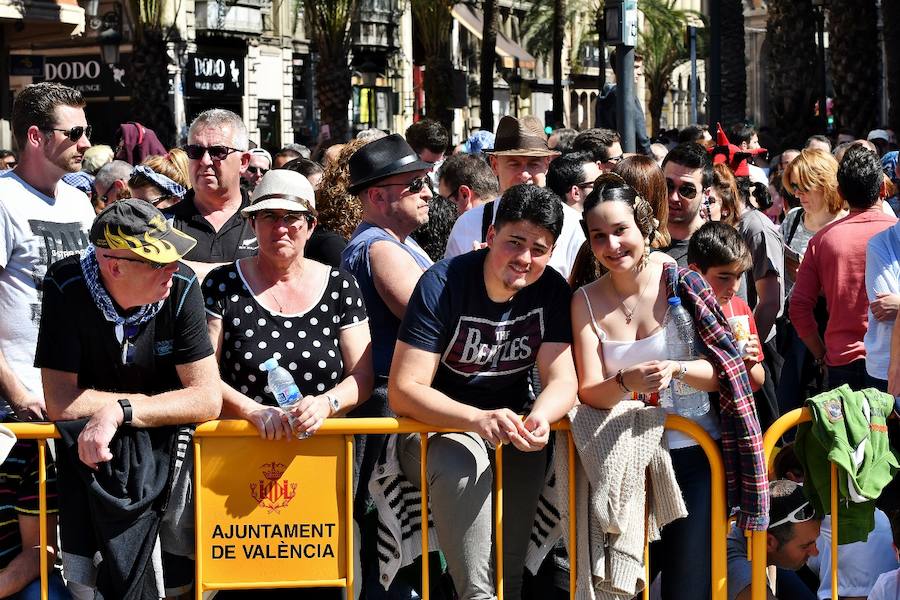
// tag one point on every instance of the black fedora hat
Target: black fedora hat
(380, 159)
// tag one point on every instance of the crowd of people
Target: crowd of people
(493, 288)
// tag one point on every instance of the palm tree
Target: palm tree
(488, 60)
(662, 44)
(328, 28)
(891, 16)
(734, 67)
(149, 68)
(855, 63)
(434, 24)
(793, 79)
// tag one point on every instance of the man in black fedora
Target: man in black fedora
(520, 155)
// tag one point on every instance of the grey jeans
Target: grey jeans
(460, 470)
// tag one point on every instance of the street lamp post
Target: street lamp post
(515, 87)
(620, 19)
(110, 36)
(820, 6)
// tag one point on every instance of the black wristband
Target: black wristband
(126, 410)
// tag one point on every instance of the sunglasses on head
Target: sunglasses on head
(196, 151)
(801, 514)
(685, 190)
(415, 186)
(257, 170)
(74, 134)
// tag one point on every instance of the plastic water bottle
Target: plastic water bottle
(680, 339)
(283, 387)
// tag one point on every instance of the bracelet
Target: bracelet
(620, 379)
(819, 362)
(681, 372)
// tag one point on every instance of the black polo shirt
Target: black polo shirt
(233, 241)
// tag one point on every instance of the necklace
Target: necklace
(271, 289)
(625, 311)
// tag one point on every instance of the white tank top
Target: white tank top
(620, 355)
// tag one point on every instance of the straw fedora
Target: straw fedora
(523, 137)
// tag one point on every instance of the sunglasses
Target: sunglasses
(801, 514)
(290, 220)
(257, 170)
(196, 151)
(128, 349)
(415, 186)
(158, 199)
(615, 159)
(75, 133)
(153, 265)
(11, 165)
(687, 191)
(585, 184)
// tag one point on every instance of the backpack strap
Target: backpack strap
(794, 226)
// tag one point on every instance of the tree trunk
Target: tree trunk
(559, 36)
(438, 80)
(855, 64)
(891, 15)
(734, 68)
(333, 91)
(488, 60)
(150, 85)
(793, 80)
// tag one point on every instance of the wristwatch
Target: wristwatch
(127, 411)
(334, 403)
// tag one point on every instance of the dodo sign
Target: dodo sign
(271, 514)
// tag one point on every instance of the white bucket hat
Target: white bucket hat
(281, 189)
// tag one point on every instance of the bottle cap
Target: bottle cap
(674, 301)
(270, 364)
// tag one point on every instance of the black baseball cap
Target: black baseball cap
(139, 226)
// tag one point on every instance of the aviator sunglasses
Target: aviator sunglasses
(196, 151)
(74, 134)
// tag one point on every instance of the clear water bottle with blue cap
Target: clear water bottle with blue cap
(681, 341)
(283, 387)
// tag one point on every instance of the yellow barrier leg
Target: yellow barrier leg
(646, 592)
(198, 513)
(498, 516)
(42, 513)
(834, 531)
(573, 558)
(348, 522)
(423, 475)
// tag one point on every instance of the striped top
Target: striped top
(19, 494)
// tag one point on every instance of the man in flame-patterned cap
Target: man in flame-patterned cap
(125, 359)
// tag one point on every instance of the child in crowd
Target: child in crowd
(717, 252)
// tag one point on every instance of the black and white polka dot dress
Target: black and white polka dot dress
(306, 344)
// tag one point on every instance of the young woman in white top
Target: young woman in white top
(620, 353)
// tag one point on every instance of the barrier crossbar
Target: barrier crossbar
(348, 428)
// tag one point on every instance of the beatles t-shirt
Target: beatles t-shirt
(487, 349)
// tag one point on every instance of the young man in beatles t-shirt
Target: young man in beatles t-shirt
(474, 328)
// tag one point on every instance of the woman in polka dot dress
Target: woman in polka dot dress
(308, 316)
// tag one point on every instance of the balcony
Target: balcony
(243, 16)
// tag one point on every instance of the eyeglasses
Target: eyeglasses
(801, 514)
(615, 159)
(687, 191)
(196, 151)
(75, 133)
(256, 170)
(290, 220)
(415, 186)
(153, 265)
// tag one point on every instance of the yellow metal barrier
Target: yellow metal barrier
(349, 427)
(758, 538)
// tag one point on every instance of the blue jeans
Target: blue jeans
(854, 375)
(682, 553)
(56, 589)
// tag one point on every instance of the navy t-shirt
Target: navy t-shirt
(487, 349)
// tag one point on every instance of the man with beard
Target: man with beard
(689, 175)
(43, 219)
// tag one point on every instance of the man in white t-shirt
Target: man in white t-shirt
(520, 155)
(42, 220)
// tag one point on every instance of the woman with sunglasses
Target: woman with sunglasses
(278, 304)
(811, 178)
(621, 354)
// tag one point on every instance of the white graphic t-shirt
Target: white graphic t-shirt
(35, 231)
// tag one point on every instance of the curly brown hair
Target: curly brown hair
(339, 211)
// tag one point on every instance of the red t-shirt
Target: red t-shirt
(736, 307)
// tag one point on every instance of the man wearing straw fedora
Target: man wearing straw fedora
(520, 155)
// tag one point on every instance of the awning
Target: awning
(507, 50)
(43, 17)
